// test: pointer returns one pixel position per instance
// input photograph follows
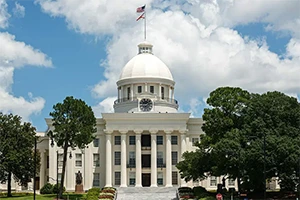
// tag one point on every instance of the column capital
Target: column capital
(138, 131)
(183, 131)
(153, 131)
(108, 131)
(123, 132)
(168, 131)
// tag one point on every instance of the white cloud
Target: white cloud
(15, 54)
(4, 16)
(105, 106)
(201, 48)
(19, 10)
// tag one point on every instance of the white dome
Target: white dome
(146, 65)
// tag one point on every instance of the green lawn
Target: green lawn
(27, 196)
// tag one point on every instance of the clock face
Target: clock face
(145, 105)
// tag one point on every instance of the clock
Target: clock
(145, 105)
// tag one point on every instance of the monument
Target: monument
(79, 186)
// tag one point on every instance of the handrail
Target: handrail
(134, 98)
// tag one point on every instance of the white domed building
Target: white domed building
(140, 143)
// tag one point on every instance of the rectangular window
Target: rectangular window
(131, 159)
(162, 93)
(151, 88)
(131, 140)
(96, 142)
(195, 141)
(160, 178)
(96, 158)
(159, 140)
(128, 93)
(213, 181)
(47, 162)
(139, 89)
(117, 178)
(174, 178)
(174, 157)
(160, 159)
(117, 158)
(96, 180)
(117, 140)
(174, 140)
(78, 159)
(131, 178)
(231, 182)
(60, 159)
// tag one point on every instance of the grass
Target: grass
(28, 196)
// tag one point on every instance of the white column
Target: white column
(42, 168)
(159, 91)
(172, 92)
(123, 160)
(131, 91)
(146, 87)
(108, 178)
(183, 149)
(153, 159)
(121, 94)
(168, 159)
(138, 159)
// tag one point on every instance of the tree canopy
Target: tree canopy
(235, 126)
(74, 124)
(16, 150)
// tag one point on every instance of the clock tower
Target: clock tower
(145, 85)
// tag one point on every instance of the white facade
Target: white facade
(140, 143)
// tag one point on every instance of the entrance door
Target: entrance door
(146, 161)
(146, 179)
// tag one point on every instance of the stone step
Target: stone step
(149, 193)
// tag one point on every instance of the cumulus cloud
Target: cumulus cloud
(196, 39)
(105, 106)
(19, 10)
(4, 16)
(15, 54)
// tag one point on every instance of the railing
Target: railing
(134, 98)
(161, 165)
(131, 165)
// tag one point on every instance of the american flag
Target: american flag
(141, 9)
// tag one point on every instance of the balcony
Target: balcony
(157, 99)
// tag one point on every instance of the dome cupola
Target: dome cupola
(145, 79)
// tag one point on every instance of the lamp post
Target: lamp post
(57, 162)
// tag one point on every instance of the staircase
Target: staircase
(146, 193)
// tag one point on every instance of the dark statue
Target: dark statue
(78, 178)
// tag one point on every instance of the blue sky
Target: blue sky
(257, 52)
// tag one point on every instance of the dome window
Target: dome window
(139, 89)
(152, 89)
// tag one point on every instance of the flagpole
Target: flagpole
(145, 26)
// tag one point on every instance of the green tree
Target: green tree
(245, 132)
(16, 150)
(74, 124)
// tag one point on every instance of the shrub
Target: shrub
(199, 190)
(46, 189)
(208, 198)
(55, 189)
(93, 194)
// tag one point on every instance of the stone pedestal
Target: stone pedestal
(79, 188)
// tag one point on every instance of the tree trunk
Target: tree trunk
(9, 185)
(239, 183)
(61, 188)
